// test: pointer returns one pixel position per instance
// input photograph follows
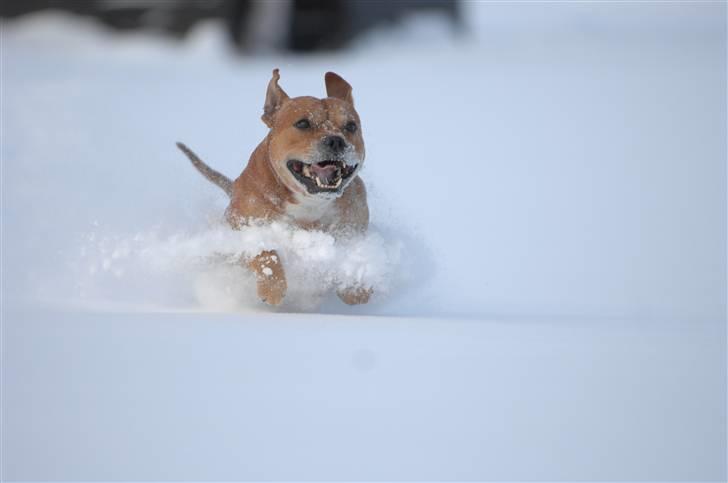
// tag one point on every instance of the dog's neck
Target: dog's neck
(272, 180)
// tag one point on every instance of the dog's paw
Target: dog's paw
(271, 278)
(355, 295)
(272, 290)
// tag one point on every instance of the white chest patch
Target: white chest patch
(313, 209)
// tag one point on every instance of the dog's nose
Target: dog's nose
(335, 144)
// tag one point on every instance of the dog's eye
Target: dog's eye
(303, 124)
(351, 126)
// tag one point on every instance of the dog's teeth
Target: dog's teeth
(338, 183)
(307, 170)
(318, 182)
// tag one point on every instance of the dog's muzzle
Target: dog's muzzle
(322, 177)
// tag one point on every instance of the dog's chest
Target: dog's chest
(313, 212)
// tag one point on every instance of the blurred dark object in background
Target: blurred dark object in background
(254, 25)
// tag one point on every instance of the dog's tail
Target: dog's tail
(217, 178)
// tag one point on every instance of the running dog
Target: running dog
(305, 172)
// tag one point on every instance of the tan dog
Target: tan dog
(305, 172)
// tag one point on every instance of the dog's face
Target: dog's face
(316, 146)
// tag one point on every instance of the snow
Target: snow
(548, 251)
(114, 268)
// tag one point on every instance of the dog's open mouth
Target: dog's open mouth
(324, 176)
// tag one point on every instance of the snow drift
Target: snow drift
(549, 245)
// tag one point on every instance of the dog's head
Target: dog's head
(315, 145)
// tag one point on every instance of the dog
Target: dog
(305, 172)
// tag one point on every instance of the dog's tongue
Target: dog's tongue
(327, 174)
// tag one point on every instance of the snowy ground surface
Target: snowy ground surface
(548, 249)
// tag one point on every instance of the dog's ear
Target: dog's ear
(274, 99)
(338, 87)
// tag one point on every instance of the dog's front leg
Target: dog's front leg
(271, 278)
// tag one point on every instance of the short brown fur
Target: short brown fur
(267, 191)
